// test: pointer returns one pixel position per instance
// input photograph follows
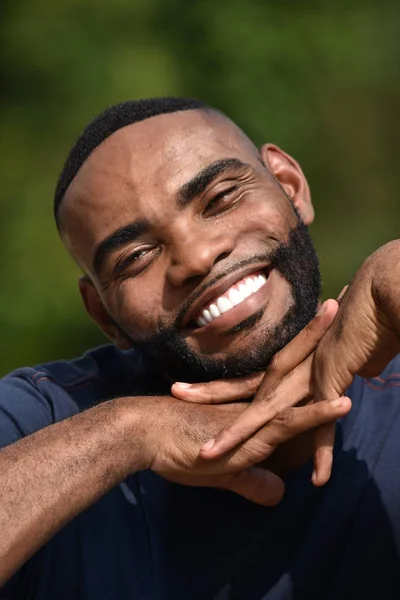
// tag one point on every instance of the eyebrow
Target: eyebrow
(202, 180)
(185, 195)
(119, 238)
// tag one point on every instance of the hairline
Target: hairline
(205, 109)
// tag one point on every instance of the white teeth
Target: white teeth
(261, 280)
(224, 304)
(214, 311)
(244, 290)
(251, 284)
(235, 297)
(207, 315)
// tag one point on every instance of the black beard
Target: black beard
(297, 262)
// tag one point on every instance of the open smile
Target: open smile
(235, 295)
(234, 300)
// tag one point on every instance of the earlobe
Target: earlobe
(287, 171)
(95, 308)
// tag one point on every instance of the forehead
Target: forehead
(137, 171)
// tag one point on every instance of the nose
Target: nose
(195, 254)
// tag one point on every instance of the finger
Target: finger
(217, 392)
(287, 425)
(271, 400)
(323, 454)
(294, 421)
(341, 295)
(257, 485)
(301, 346)
(290, 423)
(261, 411)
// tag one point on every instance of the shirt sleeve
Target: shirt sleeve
(29, 401)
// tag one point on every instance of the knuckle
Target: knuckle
(211, 392)
(275, 366)
(285, 417)
(250, 386)
(208, 386)
(255, 451)
(323, 453)
(234, 437)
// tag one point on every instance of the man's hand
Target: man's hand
(362, 340)
(287, 382)
(177, 430)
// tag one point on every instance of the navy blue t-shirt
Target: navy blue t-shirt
(151, 539)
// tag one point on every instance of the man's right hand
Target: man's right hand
(49, 477)
(179, 429)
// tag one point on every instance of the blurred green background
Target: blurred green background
(321, 79)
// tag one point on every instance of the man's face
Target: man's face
(195, 250)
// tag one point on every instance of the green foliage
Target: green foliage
(319, 79)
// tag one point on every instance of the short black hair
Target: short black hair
(108, 122)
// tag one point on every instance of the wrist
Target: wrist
(386, 290)
(137, 419)
(386, 280)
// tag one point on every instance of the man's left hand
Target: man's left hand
(287, 382)
(362, 340)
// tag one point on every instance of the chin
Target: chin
(252, 350)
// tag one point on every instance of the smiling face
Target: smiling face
(193, 243)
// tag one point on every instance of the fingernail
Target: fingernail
(337, 403)
(183, 385)
(322, 310)
(314, 476)
(208, 445)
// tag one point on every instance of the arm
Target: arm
(52, 475)
(363, 339)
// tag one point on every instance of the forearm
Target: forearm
(51, 476)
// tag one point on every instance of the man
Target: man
(199, 267)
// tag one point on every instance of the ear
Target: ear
(288, 173)
(95, 308)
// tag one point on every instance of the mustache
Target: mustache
(199, 291)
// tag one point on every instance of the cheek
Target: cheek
(136, 308)
(265, 219)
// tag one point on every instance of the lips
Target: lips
(231, 291)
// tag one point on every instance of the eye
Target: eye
(220, 201)
(135, 261)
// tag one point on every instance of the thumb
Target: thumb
(218, 391)
(257, 485)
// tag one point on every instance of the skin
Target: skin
(54, 474)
